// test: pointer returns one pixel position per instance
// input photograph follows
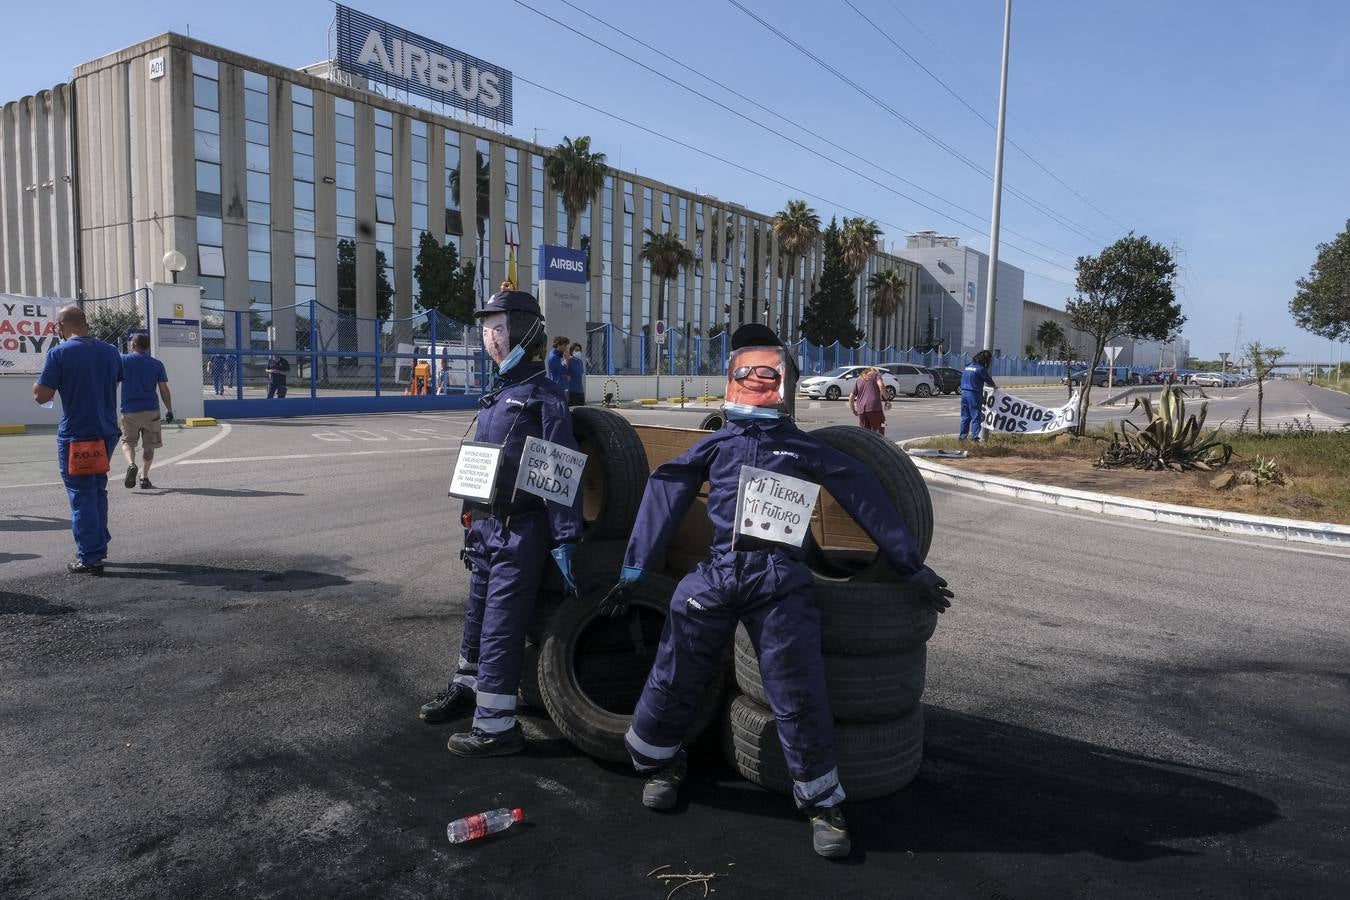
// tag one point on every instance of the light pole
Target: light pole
(991, 289)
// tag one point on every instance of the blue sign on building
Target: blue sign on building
(390, 55)
(562, 264)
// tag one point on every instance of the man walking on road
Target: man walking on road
(277, 367)
(85, 371)
(143, 377)
(973, 379)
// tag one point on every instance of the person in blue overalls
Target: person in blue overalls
(507, 541)
(973, 379)
(756, 581)
(217, 366)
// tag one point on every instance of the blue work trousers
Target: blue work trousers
(972, 408)
(507, 555)
(772, 594)
(218, 380)
(88, 506)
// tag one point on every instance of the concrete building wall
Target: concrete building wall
(952, 295)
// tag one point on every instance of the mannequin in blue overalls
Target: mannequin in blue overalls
(751, 580)
(507, 540)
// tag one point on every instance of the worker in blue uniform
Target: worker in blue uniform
(973, 379)
(507, 540)
(759, 582)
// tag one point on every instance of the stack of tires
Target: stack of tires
(588, 670)
(873, 634)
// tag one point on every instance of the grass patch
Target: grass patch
(1055, 446)
(1342, 385)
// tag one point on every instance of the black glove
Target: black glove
(931, 588)
(615, 603)
(168, 417)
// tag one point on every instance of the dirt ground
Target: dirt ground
(1184, 488)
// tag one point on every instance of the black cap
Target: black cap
(753, 334)
(511, 301)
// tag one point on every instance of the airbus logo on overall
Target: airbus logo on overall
(430, 69)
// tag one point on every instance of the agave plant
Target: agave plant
(1168, 441)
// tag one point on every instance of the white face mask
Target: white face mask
(746, 411)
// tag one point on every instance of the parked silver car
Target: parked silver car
(913, 380)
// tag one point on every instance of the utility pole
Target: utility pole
(991, 289)
(1237, 339)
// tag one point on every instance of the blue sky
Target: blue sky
(1220, 126)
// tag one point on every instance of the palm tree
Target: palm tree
(798, 228)
(1049, 336)
(484, 189)
(668, 256)
(859, 237)
(888, 290)
(577, 175)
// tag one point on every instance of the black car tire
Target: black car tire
(857, 617)
(900, 479)
(875, 758)
(890, 392)
(832, 392)
(615, 474)
(923, 390)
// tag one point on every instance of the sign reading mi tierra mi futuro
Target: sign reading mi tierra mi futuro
(409, 62)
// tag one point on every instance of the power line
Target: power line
(1063, 221)
(759, 173)
(789, 138)
(981, 115)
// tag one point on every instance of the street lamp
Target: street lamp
(991, 287)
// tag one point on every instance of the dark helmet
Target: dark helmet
(984, 358)
(524, 318)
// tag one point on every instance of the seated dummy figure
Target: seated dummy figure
(763, 474)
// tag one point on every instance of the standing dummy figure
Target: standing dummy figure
(507, 538)
(754, 579)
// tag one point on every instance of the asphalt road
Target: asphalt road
(1113, 709)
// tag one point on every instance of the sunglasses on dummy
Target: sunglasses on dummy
(769, 373)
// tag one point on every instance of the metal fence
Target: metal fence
(337, 354)
(132, 303)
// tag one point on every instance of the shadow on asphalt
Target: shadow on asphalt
(12, 604)
(233, 579)
(34, 523)
(990, 786)
(228, 492)
(16, 557)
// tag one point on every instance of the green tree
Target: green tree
(346, 282)
(110, 325)
(576, 174)
(1049, 337)
(668, 256)
(797, 228)
(1322, 304)
(1263, 360)
(1125, 291)
(858, 238)
(442, 284)
(833, 308)
(888, 290)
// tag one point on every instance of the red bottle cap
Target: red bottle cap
(517, 814)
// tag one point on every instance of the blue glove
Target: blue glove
(562, 555)
(615, 603)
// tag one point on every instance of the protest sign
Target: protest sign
(550, 471)
(1005, 414)
(475, 475)
(27, 332)
(774, 507)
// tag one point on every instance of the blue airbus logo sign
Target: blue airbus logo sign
(409, 62)
(562, 264)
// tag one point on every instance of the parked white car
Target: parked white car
(1209, 379)
(839, 382)
(913, 380)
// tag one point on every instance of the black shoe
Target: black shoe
(477, 742)
(79, 568)
(829, 833)
(449, 704)
(145, 484)
(130, 480)
(663, 789)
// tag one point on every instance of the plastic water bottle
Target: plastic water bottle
(471, 828)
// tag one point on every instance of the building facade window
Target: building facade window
(628, 252)
(607, 249)
(344, 130)
(646, 266)
(482, 181)
(302, 141)
(258, 197)
(418, 170)
(512, 224)
(454, 224)
(384, 212)
(536, 214)
(206, 151)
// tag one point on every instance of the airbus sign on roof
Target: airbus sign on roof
(388, 54)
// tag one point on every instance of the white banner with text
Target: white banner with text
(1005, 414)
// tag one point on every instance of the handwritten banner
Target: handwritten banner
(1006, 414)
(27, 332)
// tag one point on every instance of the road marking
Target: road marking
(34, 484)
(1151, 529)
(214, 439)
(239, 459)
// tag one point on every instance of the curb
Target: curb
(13, 429)
(1296, 530)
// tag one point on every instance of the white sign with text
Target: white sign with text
(774, 507)
(475, 475)
(1005, 414)
(550, 471)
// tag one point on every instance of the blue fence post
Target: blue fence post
(313, 353)
(239, 355)
(431, 327)
(378, 359)
(609, 348)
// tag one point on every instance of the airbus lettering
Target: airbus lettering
(430, 69)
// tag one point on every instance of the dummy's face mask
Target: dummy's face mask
(757, 376)
(496, 337)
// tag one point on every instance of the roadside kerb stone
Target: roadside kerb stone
(1235, 523)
